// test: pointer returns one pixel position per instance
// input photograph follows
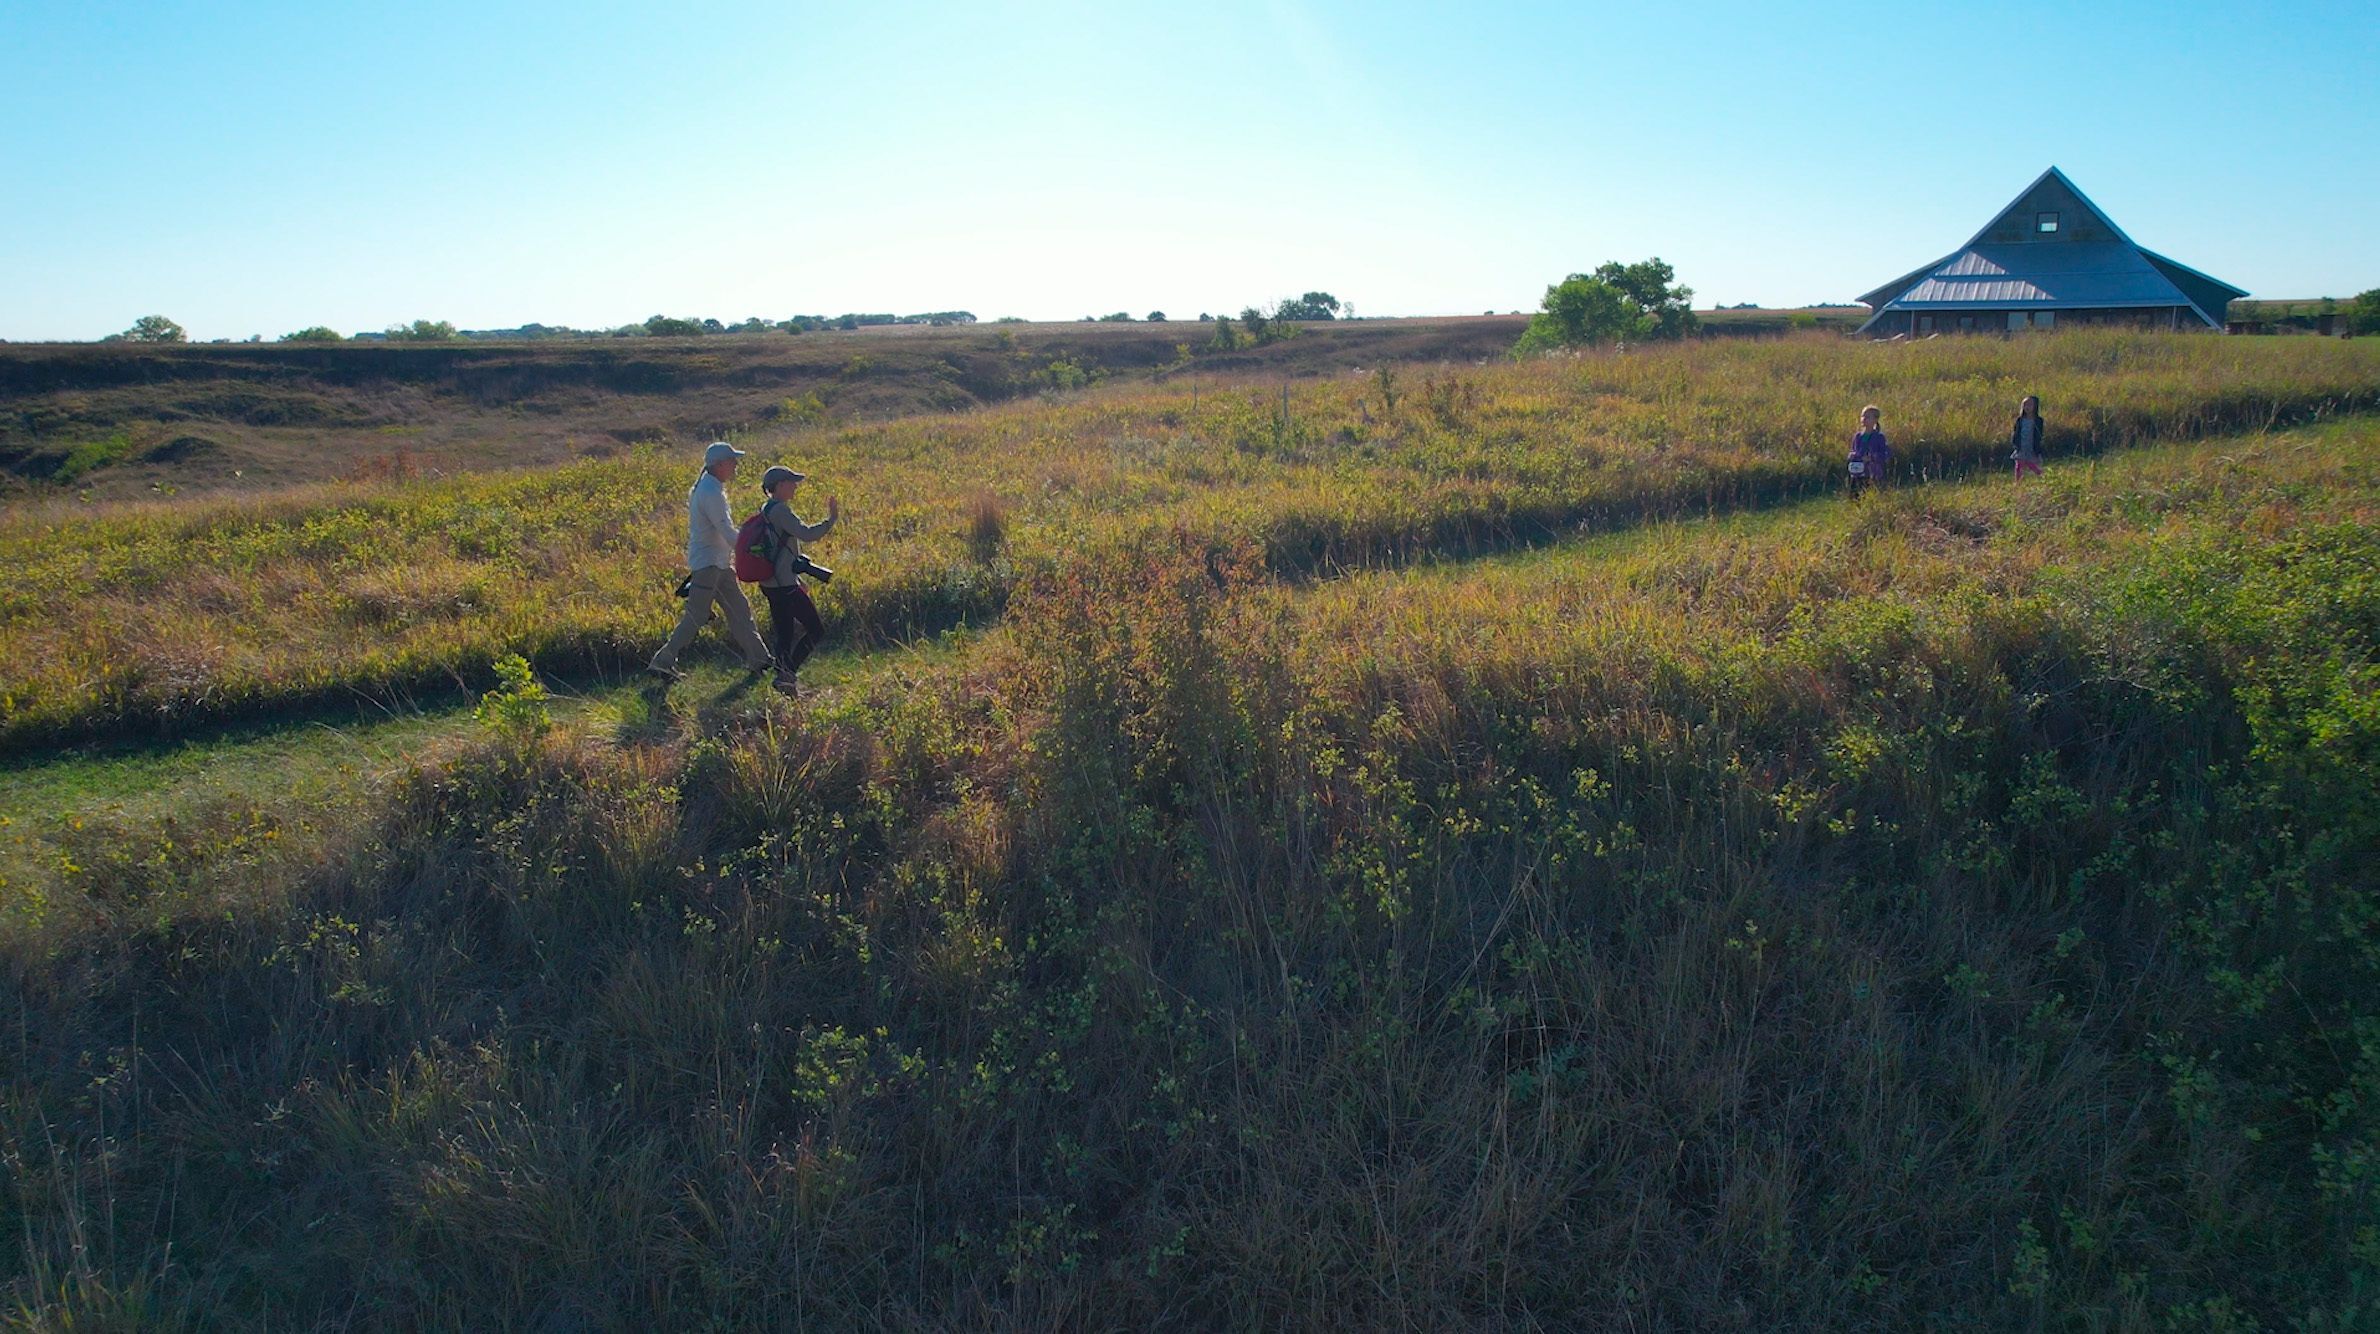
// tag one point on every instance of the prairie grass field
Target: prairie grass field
(1525, 855)
(147, 616)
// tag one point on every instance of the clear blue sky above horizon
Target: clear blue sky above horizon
(257, 168)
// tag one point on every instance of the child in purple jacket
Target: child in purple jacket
(1871, 454)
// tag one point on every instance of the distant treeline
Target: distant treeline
(672, 326)
(159, 329)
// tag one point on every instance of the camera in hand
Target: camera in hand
(805, 565)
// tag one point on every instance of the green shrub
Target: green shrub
(151, 329)
(1617, 303)
(2363, 313)
(515, 710)
(89, 456)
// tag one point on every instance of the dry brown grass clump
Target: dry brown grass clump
(987, 526)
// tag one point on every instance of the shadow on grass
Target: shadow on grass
(730, 702)
(644, 713)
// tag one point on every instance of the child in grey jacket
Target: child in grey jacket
(2024, 440)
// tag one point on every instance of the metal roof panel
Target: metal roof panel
(2079, 274)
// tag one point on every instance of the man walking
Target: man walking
(710, 560)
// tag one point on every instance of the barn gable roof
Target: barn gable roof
(2012, 217)
(2089, 264)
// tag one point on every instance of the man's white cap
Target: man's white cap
(719, 452)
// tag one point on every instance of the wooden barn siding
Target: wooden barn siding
(1996, 321)
(2216, 300)
(2075, 221)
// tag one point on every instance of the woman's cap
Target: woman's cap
(780, 473)
(719, 452)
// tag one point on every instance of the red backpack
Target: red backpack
(756, 549)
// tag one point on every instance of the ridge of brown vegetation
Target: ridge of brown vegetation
(251, 417)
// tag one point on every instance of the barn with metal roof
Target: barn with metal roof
(2050, 259)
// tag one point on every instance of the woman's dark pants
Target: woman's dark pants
(794, 627)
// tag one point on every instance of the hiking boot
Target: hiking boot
(784, 685)
(665, 673)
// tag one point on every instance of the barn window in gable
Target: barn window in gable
(2045, 223)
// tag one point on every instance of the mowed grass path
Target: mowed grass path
(307, 779)
(151, 618)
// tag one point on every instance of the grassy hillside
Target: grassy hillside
(1638, 889)
(1756, 323)
(2299, 315)
(120, 420)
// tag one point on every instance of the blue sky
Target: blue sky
(254, 168)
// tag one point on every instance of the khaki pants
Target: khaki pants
(716, 586)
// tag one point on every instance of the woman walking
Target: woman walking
(794, 626)
(2025, 439)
